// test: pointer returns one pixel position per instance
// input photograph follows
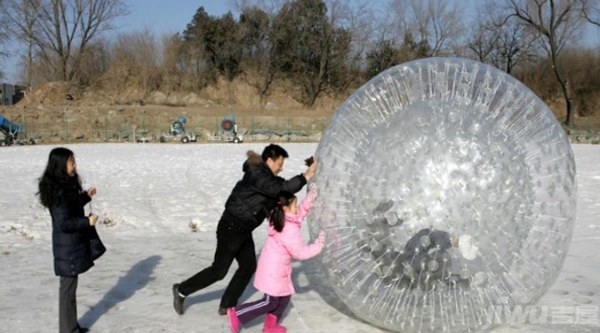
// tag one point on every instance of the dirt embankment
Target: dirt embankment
(54, 114)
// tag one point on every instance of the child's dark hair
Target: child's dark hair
(274, 152)
(55, 183)
(277, 215)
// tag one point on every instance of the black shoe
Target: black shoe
(222, 311)
(177, 299)
(82, 329)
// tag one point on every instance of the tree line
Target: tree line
(316, 47)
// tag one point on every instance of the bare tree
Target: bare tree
(591, 11)
(59, 31)
(171, 63)
(362, 21)
(438, 22)
(271, 7)
(557, 22)
(94, 63)
(500, 42)
(135, 62)
(359, 19)
(4, 32)
(481, 41)
(21, 19)
(3, 36)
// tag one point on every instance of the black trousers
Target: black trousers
(230, 245)
(67, 305)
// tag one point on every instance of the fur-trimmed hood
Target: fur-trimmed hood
(253, 159)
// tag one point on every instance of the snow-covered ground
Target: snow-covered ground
(160, 203)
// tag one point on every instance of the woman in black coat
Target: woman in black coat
(75, 243)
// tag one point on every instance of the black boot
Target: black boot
(82, 329)
(178, 299)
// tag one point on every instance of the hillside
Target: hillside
(53, 114)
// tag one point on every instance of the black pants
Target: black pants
(67, 305)
(230, 245)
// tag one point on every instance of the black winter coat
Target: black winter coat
(72, 236)
(255, 195)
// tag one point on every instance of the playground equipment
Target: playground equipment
(228, 131)
(9, 130)
(177, 132)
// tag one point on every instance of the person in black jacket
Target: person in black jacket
(75, 242)
(249, 203)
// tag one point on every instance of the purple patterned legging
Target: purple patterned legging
(268, 304)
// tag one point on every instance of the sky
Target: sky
(149, 196)
(167, 16)
(159, 16)
(162, 16)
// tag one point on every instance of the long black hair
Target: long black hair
(277, 215)
(55, 183)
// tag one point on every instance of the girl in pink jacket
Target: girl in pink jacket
(274, 269)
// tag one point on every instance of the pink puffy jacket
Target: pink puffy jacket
(274, 269)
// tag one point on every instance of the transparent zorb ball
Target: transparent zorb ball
(445, 185)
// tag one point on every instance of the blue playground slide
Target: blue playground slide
(10, 129)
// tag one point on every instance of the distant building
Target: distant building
(7, 93)
(10, 94)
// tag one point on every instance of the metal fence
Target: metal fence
(117, 126)
(114, 126)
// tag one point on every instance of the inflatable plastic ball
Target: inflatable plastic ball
(446, 188)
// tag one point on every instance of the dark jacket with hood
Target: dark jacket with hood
(255, 195)
(75, 244)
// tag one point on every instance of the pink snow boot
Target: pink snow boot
(271, 325)
(234, 321)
